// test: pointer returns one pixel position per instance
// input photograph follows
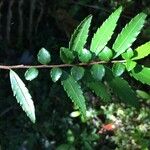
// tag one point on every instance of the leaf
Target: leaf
(130, 65)
(85, 55)
(79, 37)
(44, 56)
(74, 91)
(104, 33)
(142, 94)
(118, 69)
(128, 34)
(124, 91)
(97, 71)
(31, 74)
(128, 54)
(106, 54)
(121, 88)
(55, 74)
(22, 95)
(66, 55)
(142, 51)
(77, 72)
(141, 74)
(99, 89)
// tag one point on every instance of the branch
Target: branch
(5, 67)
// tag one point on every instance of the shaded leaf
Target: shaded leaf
(55, 74)
(74, 91)
(98, 71)
(44, 56)
(79, 37)
(31, 74)
(66, 55)
(141, 74)
(104, 33)
(128, 34)
(142, 94)
(118, 69)
(22, 95)
(121, 88)
(77, 72)
(99, 89)
(142, 51)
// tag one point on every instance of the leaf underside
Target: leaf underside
(128, 34)
(74, 91)
(22, 95)
(104, 33)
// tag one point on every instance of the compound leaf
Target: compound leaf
(128, 34)
(22, 95)
(104, 33)
(79, 37)
(74, 91)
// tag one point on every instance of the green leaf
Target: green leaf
(141, 74)
(22, 95)
(77, 72)
(44, 56)
(118, 69)
(74, 91)
(55, 74)
(66, 55)
(142, 94)
(128, 54)
(130, 65)
(104, 33)
(98, 71)
(99, 89)
(79, 37)
(142, 51)
(31, 74)
(121, 88)
(85, 55)
(65, 147)
(128, 34)
(124, 91)
(106, 54)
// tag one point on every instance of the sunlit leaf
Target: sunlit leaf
(22, 95)
(79, 37)
(128, 34)
(142, 51)
(141, 74)
(104, 33)
(74, 91)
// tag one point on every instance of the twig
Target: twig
(6, 67)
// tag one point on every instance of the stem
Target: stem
(5, 67)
